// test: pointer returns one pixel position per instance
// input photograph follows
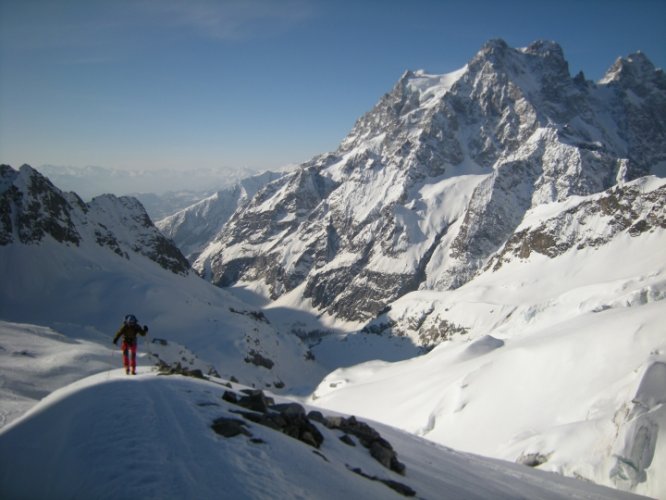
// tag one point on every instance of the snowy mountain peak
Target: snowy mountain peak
(31, 207)
(545, 48)
(493, 48)
(435, 179)
(634, 71)
(541, 55)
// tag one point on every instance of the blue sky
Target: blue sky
(148, 84)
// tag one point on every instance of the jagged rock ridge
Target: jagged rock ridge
(32, 209)
(434, 180)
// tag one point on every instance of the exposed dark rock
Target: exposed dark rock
(254, 400)
(556, 137)
(256, 358)
(439, 332)
(532, 459)
(230, 427)
(627, 208)
(178, 369)
(319, 454)
(256, 315)
(380, 449)
(289, 409)
(317, 416)
(32, 208)
(345, 438)
(230, 397)
(401, 488)
(290, 419)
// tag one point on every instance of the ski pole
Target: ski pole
(108, 372)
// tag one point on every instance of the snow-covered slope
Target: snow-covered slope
(80, 268)
(152, 437)
(196, 226)
(85, 292)
(36, 360)
(439, 175)
(556, 354)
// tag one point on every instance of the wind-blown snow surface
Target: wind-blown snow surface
(35, 360)
(151, 437)
(556, 361)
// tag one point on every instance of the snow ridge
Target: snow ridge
(153, 437)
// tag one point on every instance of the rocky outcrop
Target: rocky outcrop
(291, 419)
(254, 407)
(634, 209)
(31, 208)
(380, 449)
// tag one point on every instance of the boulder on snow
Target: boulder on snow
(230, 427)
(532, 459)
(178, 369)
(380, 449)
(290, 418)
(401, 488)
(254, 400)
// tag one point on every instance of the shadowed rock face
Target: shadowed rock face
(32, 209)
(360, 227)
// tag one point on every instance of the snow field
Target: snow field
(550, 366)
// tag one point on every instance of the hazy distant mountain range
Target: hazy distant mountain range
(161, 191)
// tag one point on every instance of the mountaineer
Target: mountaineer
(129, 331)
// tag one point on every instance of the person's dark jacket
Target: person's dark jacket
(129, 333)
